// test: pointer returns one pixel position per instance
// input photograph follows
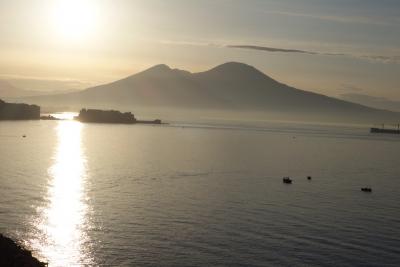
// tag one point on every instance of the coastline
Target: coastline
(13, 254)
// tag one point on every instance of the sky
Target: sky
(333, 47)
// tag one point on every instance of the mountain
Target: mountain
(372, 101)
(9, 91)
(230, 86)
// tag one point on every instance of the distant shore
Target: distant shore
(13, 254)
(20, 111)
(111, 116)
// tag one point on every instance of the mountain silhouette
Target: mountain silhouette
(230, 86)
(9, 91)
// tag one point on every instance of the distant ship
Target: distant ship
(386, 130)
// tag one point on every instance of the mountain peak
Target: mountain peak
(235, 67)
(162, 70)
(159, 67)
(238, 70)
(234, 64)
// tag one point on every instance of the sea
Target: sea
(193, 193)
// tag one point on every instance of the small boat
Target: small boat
(386, 130)
(287, 180)
(366, 189)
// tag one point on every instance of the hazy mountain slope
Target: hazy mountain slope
(9, 91)
(372, 101)
(230, 86)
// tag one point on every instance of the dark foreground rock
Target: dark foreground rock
(11, 111)
(13, 255)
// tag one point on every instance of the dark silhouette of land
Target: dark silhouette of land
(110, 116)
(20, 111)
(11, 111)
(12, 254)
(231, 86)
(386, 130)
(105, 116)
(372, 101)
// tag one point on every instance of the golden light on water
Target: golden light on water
(64, 219)
(64, 115)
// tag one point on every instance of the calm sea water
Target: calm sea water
(200, 194)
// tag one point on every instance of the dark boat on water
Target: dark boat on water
(366, 189)
(287, 180)
(386, 130)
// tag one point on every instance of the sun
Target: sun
(75, 20)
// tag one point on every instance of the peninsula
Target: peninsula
(11, 111)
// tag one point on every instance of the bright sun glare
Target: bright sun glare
(75, 20)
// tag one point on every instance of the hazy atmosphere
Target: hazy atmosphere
(330, 47)
(191, 133)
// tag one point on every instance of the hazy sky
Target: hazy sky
(343, 46)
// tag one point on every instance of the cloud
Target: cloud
(271, 49)
(384, 59)
(380, 58)
(283, 50)
(394, 59)
(188, 43)
(341, 19)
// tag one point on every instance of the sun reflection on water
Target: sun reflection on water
(64, 115)
(63, 221)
